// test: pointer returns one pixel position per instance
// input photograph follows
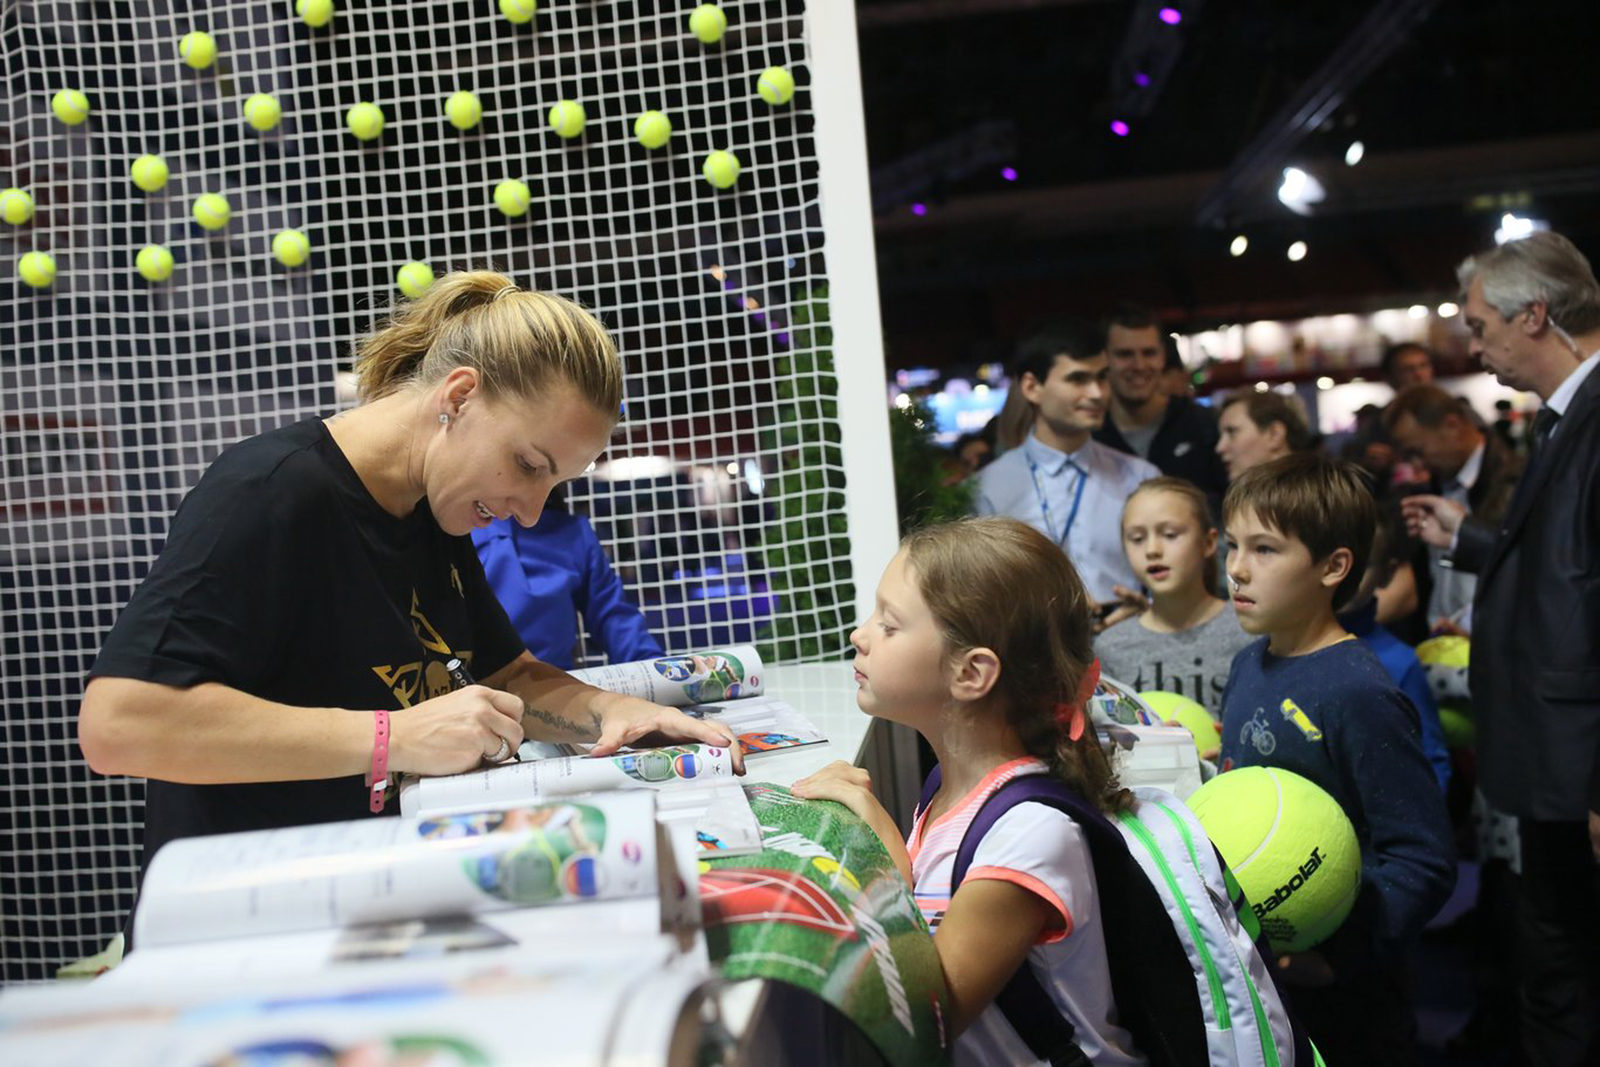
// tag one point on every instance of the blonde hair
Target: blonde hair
(1199, 506)
(519, 342)
(1000, 584)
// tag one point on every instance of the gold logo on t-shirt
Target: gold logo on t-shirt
(412, 683)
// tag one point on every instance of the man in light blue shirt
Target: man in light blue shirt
(1059, 480)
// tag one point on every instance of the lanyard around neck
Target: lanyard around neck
(1044, 504)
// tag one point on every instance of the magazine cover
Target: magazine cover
(694, 678)
(834, 919)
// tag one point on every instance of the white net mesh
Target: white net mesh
(724, 510)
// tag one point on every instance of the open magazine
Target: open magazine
(603, 848)
(695, 784)
(727, 686)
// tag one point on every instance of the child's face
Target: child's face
(900, 656)
(1276, 585)
(1166, 545)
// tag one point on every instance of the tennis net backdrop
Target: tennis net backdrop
(723, 500)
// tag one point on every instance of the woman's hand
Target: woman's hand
(1129, 602)
(455, 732)
(625, 720)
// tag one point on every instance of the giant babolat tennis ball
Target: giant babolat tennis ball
(1291, 848)
(1186, 713)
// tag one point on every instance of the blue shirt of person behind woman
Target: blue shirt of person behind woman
(548, 574)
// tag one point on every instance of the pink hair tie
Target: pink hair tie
(1070, 717)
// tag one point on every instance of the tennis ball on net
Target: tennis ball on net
(212, 210)
(314, 13)
(149, 173)
(652, 129)
(365, 120)
(199, 50)
(70, 106)
(1171, 707)
(721, 168)
(16, 206)
(291, 248)
(414, 279)
(1291, 847)
(154, 263)
(262, 111)
(519, 11)
(775, 86)
(708, 23)
(568, 118)
(37, 269)
(512, 198)
(464, 110)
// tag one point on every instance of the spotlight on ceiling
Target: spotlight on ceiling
(1449, 310)
(1119, 127)
(1170, 15)
(1238, 246)
(1515, 227)
(1355, 153)
(1297, 252)
(1299, 190)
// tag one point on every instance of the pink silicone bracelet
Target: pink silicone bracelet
(380, 760)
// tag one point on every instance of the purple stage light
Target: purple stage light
(1170, 15)
(1119, 127)
(919, 209)
(1142, 80)
(1009, 174)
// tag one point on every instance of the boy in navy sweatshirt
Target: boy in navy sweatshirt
(1310, 698)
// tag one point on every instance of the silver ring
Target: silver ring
(502, 752)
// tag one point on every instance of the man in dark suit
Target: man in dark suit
(1467, 466)
(1533, 307)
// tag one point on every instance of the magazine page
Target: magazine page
(721, 674)
(384, 870)
(531, 781)
(761, 725)
(573, 1003)
(823, 908)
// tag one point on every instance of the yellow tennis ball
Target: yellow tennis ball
(463, 109)
(314, 13)
(708, 23)
(721, 169)
(291, 248)
(212, 210)
(149, 173)
(1291, 847)
(512, 198)
(1171, 707)
(199, 50)
(37, 269)
(365, 120)
(519, 11)
(653, 129)
(16, 206)
(154, 263)
(262, 111)
(568, 118)
(414, 279)
(776, 86)
(70, 106)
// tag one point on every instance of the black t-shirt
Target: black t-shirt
(282, 577)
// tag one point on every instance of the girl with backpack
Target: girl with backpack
(980, 641)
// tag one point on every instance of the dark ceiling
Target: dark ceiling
(1466, 109)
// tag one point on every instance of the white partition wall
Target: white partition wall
(748, 494)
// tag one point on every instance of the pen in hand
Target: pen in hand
(460, 678)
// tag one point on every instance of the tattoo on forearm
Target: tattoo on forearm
(565, 725)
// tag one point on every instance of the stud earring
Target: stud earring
(444, 418)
